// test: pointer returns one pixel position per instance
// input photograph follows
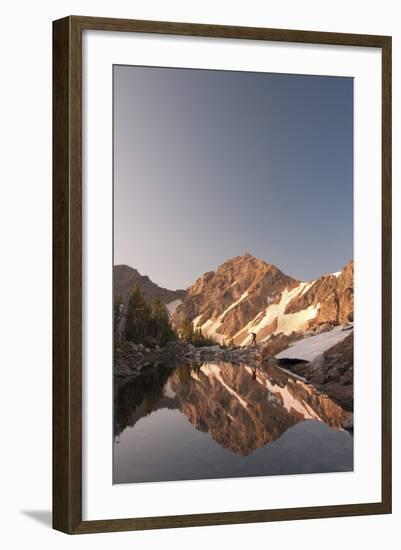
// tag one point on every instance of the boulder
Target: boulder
(333, 372)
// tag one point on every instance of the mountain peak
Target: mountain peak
(246, 257)
(126, 277)
(247, 262)
(240, 289)
(126, 268)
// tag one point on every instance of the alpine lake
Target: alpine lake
(210, 420)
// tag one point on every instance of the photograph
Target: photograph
(233, 274)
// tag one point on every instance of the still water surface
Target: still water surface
(220, 420)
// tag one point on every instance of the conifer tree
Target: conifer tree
(162, 330)
(138, 316)
(147, 323)
(187, 330)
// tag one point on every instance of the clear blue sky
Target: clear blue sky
(211, 164)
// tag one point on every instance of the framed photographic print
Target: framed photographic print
(222, 274)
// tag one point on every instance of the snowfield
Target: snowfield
(312, 347)
(210, 327)
(286, 323)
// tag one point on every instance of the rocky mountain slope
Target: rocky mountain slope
(125, 277)
(247, 295)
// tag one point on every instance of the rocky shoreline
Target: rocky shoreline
(331, 374)
(130, 359)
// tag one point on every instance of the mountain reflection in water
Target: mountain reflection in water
(242, 422)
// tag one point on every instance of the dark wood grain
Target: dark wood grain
(229, 518)
(386, 276)
(67, 279)
(67, 274)
(220, 31)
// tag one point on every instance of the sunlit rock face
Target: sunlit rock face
(241, 408)
(224, 301)
(246, 295)
(335, 295)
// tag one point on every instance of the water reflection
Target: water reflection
(239, 409)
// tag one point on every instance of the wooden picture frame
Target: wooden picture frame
(67, 274)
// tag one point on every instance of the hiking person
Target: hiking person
(253, 343)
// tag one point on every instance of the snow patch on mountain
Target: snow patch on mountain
(310, 348)
(286, 323)
(211, 326)
(307, 287)
(290, 322)
(258, 298)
